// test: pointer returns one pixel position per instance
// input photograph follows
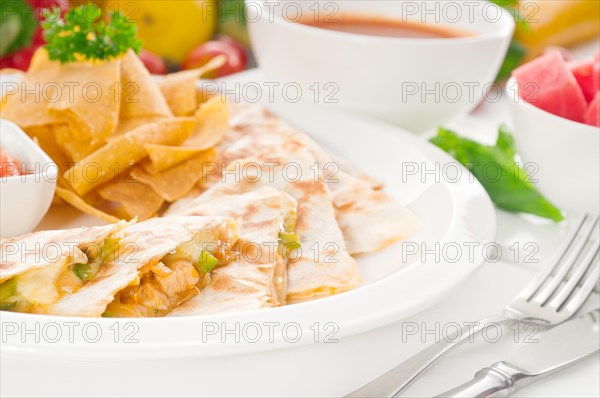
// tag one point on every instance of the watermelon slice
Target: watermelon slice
(587, 74)
(548, 83)
(592, 116)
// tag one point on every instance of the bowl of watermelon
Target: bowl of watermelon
(555, 109)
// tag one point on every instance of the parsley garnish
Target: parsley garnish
(81, 36)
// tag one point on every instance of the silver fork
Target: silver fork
(552, 297)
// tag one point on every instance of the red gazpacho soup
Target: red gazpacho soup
(379, 25)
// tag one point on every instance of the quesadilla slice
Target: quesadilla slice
(257, 278)
(151, 267)
(369, 218)
(321, 266)
(38, 269)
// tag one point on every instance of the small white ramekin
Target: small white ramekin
(25, 199)
(561, 156)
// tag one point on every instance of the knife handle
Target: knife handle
(397, 379)
(498, 380)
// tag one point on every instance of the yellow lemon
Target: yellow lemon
(170, 28)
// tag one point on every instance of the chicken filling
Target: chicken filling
(163, 285)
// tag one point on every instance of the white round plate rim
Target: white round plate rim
(365, 308)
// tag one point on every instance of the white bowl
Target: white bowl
(561, 156)
(415, 83)
(24, 200)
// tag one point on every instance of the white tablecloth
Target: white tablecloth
(485, 294)
(496, 285)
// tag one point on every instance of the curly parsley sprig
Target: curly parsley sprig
(81, 36)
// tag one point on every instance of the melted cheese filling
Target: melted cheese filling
(39, 288)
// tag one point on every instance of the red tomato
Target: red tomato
(20, 59)
(38, 5)
(154, 63)
(9, 165)
(238, 46)
(235, 60)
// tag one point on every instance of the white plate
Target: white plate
(458, 220)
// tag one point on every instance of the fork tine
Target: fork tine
(545, 292)
(528, 292)
(586, 289)
(567, 290)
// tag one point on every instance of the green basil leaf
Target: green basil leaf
(495, 168)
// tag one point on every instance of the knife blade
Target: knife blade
(554, 350)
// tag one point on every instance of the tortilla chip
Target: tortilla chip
(76, 201)
(126, 124)
(45, 138)
(71, 144)
(179, 89)
(122, 152)
(140, 95)
(89, 98)
(24, 102)
(137, 199)
(11, 71)
(61, 183)
(176, 182)
(163, 157)
(212, 122)
(57, 201)
(203, 96)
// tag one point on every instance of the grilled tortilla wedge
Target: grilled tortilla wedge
(369, 218)
(38, 269)
(322, 265)
(258, 278)
(150, 268)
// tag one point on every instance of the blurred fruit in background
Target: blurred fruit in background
(187, 33)
(19, 27)
(183, 32)
(232, 21)
(20, 31)
(154, 63)
(557, 23)
(170, 29)
(235, 55)
(243, 52)
(543, 24)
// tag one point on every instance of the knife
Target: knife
(555, 349)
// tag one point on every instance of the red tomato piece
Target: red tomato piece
(153, 62)
(237, 45)
(9, 165)
(235, 60)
